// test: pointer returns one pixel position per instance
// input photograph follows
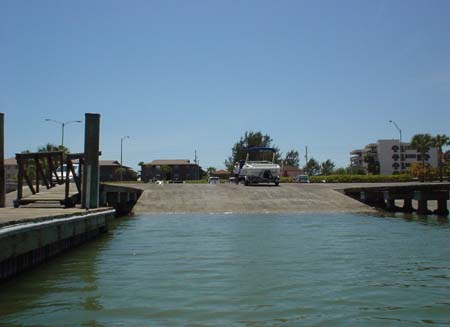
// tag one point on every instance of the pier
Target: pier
(387, 197)
(51, 213)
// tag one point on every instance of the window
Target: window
(395, 157)
(395, 165)
(395, 148)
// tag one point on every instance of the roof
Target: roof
(291, 168)
(169, 162)
(221, 171)
(108, 163)
(113, 163)
(10, 162)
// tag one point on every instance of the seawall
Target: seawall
(27, 243)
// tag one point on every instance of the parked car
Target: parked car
(61, 172)
(302, 179)
(213, 180)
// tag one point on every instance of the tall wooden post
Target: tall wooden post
(2, 161)
(90, 189)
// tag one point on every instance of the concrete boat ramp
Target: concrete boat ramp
(204, 198)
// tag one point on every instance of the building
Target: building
(388, 157)
(10, 174)
(110, 171)
(178, 169)
(222, 174)
(291, 171)
(10, 169)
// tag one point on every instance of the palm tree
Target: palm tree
(210, 170)
(439, 141)
(327, 167)
(422, 143)
(312, 167)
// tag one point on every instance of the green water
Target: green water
(243, 270)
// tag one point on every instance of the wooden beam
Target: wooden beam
(19, 178)
(2, 161)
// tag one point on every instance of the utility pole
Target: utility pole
(195, 161)
(306, 155)
(121, 150)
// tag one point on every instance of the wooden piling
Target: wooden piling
(90, 192)
(407, 206)
(442, 209)
(2, 161)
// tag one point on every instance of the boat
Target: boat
(261, 171)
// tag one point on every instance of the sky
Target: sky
(185, 76)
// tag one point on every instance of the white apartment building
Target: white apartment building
(391, 156)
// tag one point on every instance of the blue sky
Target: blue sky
(179, 76)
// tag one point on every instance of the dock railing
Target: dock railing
(48, 169)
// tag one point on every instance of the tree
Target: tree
(447, 157)
(210, 170)
(49, 147)
(292, 158)
(422, 143)
(341, 171)
(312, 167)
(166, 171)
(250, 140)
(438, 142)
(327, 167)
(373, 166)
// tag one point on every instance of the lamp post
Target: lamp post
(121, 157)
(63, 124)
(398, 129)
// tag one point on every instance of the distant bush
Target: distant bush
(361, 178)
(287, 179)
(201, 181)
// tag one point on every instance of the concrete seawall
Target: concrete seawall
(27, 244)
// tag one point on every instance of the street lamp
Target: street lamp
(398, 128)
(121, 157)
(63, 124)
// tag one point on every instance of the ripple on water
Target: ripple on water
(242, 270)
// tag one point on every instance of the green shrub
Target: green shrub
(287, 179)
(361, 178)
(201, 181)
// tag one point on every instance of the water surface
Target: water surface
(243, 270)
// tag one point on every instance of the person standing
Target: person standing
(236, 171)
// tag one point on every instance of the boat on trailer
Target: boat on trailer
(260, 171)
